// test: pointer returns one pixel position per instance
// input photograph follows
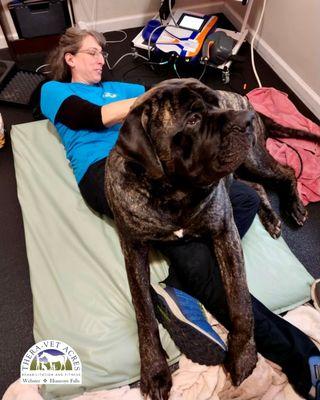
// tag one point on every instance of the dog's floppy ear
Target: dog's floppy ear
(135, 144)
(209, 96)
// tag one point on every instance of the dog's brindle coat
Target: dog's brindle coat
(168, 176)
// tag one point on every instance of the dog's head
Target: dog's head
(177, 131)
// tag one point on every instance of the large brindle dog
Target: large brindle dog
(168, 176)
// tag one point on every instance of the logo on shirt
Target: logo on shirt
(51, 362)
(109, 95)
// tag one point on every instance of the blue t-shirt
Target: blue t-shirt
(85, 147)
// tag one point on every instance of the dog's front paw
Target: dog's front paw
(241, 358)
(155, 379)
(298, 212)
(271, 222)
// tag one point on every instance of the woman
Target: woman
(88, 114)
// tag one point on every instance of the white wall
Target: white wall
(10, 29)
(288, 39)
(130, 13)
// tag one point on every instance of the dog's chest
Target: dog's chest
(147, 210)
(167, 214)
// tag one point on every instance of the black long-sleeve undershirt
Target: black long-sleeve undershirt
(76, 114)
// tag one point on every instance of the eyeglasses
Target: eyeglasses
(94, 53)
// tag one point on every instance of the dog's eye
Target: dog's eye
(193, 119)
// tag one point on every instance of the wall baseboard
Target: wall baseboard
(306, 94)
(11, 36)
(3, 43)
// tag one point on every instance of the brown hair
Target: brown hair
(70, 42)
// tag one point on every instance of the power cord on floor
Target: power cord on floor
(199, 78)
(252, 44)
(118, 41)
(38, 69)
(121, 58)
(260, 85)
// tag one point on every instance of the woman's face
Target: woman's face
(86, 65)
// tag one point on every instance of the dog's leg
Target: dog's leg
(242, 356)
(269, 218)
(276, 130)
(155, 375)
(262, 168)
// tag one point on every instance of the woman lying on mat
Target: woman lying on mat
(87, 114)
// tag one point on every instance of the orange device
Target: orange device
(187, 37)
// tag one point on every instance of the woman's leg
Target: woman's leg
(193, 269)
(92, 188)
(193, 263)
(245, 205)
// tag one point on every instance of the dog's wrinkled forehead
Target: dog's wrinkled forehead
(170, 104)
(174, 97)
(176, 84)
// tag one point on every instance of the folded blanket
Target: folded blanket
(198, 382)
(276, 105)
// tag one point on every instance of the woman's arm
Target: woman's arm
(116, 112)
(76, 113)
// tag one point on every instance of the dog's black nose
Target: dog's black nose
(243, 119)
(250, 118)
(251, 115)
(249, 127)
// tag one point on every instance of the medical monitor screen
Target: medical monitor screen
(191, 22)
